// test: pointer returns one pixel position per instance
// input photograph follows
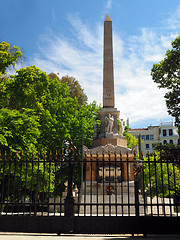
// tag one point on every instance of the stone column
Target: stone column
(108, 75)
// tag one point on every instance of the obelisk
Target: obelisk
(108, 115)
(108, 74)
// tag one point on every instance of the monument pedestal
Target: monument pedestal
(103, 113)
(115, 141)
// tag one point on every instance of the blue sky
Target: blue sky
(66, 37)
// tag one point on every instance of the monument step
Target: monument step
(98, 198)
(110, 210)
(95, 188)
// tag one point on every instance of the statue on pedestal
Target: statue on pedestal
(110, 122)
(121, 130)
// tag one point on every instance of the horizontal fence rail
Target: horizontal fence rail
(66, 184)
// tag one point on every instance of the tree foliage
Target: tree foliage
(131, 140)
(57, 116)
(169, 151)
(161, 177)
(39, 113)
(166, 74)
(8, 56)
(75, 88)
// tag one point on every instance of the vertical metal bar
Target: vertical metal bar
(162, 180)
(49, 180)
(127, 161)
(122, 172)
(136, 196)
(25, 186)
(37, 185)
(149, 164)
(141, 174)
(80, 181)
(8, 188)
(36, 190)
(170, 206)
(91, 188)
(109, 159)
(143, 187)
(32, 175)
(14, 187)
(115, 190)
(20, 182)
(175, 197)
(97, 167)
(139, 142)
(3, 184)
(136, 193)
(43, 183)
(85, 162)
(82, 156)
(61, 167)
(69, 201)
(55, 182)
(103, 184)
(157, 196)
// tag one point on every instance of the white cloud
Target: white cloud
(81, 56)
(108, 5)
(107, 8)
(173, 22)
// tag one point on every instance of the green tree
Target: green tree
(84, 127)
(169, 151)
(166, 74)
(39, 112)
(49, 100)
(19, 131)
(74, 88)
(131, 140)
(9, 55)
(161, 177)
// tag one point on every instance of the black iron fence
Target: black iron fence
(107, 184)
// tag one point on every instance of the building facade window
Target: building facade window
(147, 146)
(151, 137)
(143, 136)
(164, 132)
(165, 141)
(170, 132)
(147, 137)
(171, 141)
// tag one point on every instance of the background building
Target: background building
(164, 133)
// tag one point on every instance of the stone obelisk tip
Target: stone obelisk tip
(107, 19)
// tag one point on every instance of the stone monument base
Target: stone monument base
(115, 203)
(115, 141)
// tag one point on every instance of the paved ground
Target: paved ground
(31, 236)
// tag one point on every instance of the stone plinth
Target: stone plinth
(119, 141)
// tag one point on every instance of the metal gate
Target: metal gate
(99, 193)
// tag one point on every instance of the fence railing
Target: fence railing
(112, 184)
